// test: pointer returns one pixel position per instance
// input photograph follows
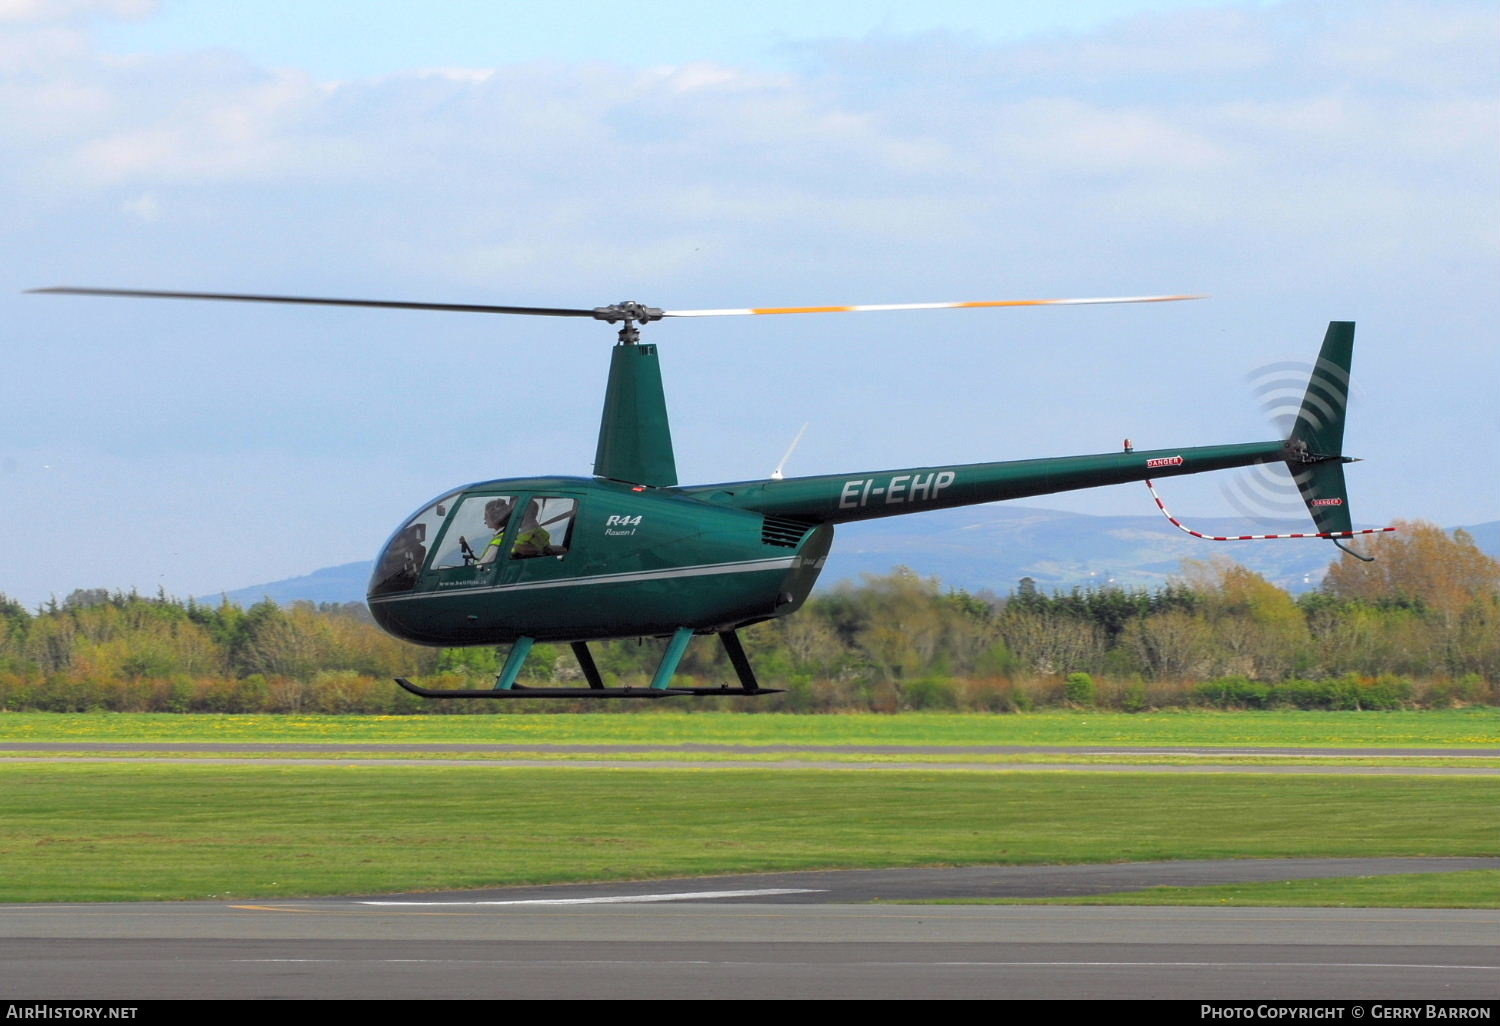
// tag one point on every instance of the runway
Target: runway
(799, 935)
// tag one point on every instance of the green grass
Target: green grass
(369, 751)
(71, 832)
(1477, 888)
(132, 832)
(1474, 727)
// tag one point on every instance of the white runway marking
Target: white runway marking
(616, 899)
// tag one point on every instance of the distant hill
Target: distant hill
(993, 547)
(331, 584)
(988, 548)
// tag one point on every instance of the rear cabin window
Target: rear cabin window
(546, 528)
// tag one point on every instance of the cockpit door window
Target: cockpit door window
(476, 532)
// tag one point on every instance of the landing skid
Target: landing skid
(520, 691)
(506, 686)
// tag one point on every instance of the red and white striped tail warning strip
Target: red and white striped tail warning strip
(1253, 537)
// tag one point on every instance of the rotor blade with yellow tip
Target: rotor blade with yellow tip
(922, 306)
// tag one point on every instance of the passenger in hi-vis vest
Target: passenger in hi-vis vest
(533, 539)
(496, 515)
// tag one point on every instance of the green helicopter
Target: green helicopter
(630, 552)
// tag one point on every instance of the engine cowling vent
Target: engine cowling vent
(783, 531)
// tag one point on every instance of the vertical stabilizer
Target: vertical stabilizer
(1319, 428)
(1315, 450)
(635, 440)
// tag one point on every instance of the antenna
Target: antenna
(776, 475)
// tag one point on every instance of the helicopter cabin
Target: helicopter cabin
(567, 559)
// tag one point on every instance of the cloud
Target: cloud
(1315, 120)
(1062, 136)
(1073, 107)
(1427, 48)
(42, 11)
(145, 207)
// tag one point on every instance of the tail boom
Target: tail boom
(866, 496)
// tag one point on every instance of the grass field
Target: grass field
(112, 832)
(1457, 728)
(851, 758)
(83, 832)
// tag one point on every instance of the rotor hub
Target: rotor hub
(628, 310)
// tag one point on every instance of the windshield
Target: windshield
(401, 562)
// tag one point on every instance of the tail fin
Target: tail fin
(1315, 449)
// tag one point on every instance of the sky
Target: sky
(1299, 162)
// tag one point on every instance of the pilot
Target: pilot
(534, 539)
(496, 515)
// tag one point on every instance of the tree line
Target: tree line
(1418, 626)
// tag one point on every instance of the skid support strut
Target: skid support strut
(736, 653)
(741, 663)
(513, 663)
(671, 657)
(586, 664)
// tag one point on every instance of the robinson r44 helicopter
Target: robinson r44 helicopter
(632, 553)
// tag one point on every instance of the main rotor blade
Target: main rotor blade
(922, 306)
(385, 304)
(623, 311)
